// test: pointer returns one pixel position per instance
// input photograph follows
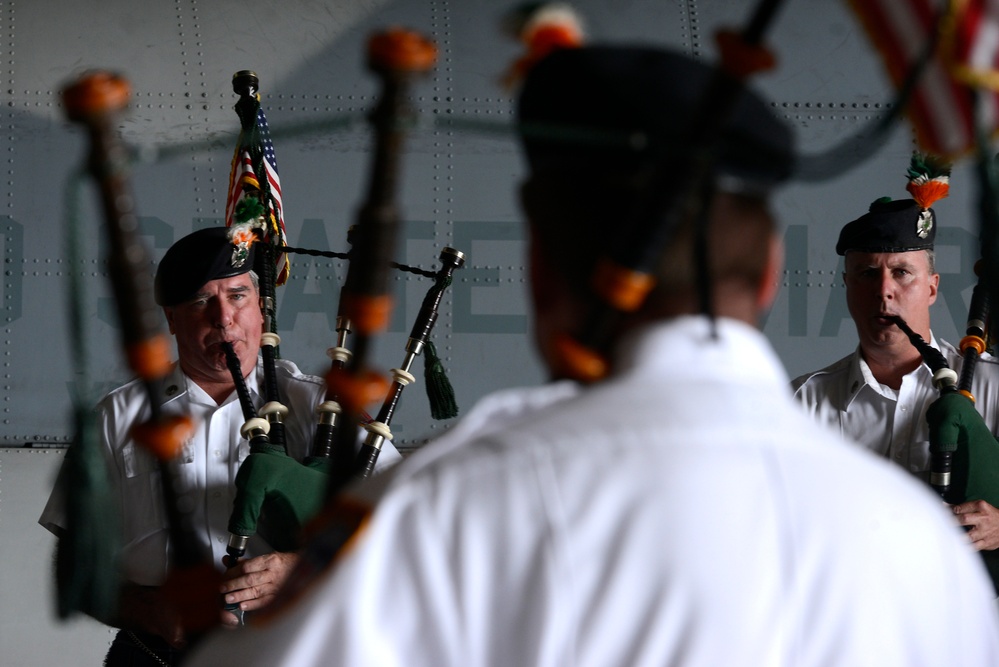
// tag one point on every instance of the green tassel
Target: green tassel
(439, 390)
(927, 166)
(88, 574)
(248, 208)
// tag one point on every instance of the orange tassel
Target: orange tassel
(928, 192)
(546, 29)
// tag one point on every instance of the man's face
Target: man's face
(889, 283)
(226, 309)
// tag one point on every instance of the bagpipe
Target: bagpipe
(290, 492)
(270, 483)
(964, 454)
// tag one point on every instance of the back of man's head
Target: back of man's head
(601, 125)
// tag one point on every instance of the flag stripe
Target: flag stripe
(940, 107)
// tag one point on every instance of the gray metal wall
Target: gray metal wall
(458, 190)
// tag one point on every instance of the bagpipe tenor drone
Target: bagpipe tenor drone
(96, 100)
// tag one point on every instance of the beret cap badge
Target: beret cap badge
(924, 224)
(241, 236)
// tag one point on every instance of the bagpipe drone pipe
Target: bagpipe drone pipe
(397, 57)
(192, 584)
(964, 454)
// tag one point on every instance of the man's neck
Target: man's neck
(218, 391)
(217, 388)
(889, 366)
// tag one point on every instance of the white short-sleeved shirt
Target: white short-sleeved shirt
(684, 512)
(208, 468)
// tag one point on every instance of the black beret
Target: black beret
(604, 107)
(196, 259)
(889, 226)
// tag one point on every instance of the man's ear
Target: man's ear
(934, 287)
(766, 291)
(169, 317)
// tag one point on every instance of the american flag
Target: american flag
(242, 178)
(942, 108)
(973, 43)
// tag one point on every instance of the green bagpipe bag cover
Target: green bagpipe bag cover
(956, 426)
(276, 495)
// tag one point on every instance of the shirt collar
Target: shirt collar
(656, 348)
(178, 385)
(861, 376)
